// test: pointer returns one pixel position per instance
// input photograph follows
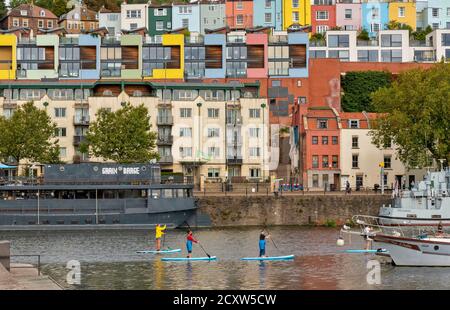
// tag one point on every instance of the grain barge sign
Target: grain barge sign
(96, 172)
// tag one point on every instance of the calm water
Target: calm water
(108, 261)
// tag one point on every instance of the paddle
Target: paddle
(265, 228)
(209, 256)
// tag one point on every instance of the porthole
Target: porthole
(436, 247)
(144, 168)
(95, 168)
(61, 168)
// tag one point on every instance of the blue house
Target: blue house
(267, 13)
(186, 16)
(374, 17)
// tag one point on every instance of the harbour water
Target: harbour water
(109, 261)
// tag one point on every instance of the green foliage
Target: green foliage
(394, 25)
(363, 35)
(417, 118)
(421, 35)
(3, 9)
(27, 134)
(58, 7)
(330, 223)
(317, 37)
(358, 87)
(123, 136)
(16, 3)
(108, 4)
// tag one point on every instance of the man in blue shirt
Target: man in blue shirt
(262, 243)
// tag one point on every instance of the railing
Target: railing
(367, 43)
(77, 140)
(278, 39)
(38, 264)
(165, 139)
(166, 159)
(110, 40)
(66, 40)
(152, 40)
(81, 120)
(194, 40)
(234, 120)
(236, 39)
(415, 43)
(27, 41)
(234, 161)
(321, 43)
(164, 120)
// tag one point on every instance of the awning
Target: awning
(3, 166)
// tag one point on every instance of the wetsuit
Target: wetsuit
(262, 245)
(189, 241)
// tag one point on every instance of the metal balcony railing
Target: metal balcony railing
(81, 120)
(166, 159)
(77, 140)
(165, 139)
(164, 120)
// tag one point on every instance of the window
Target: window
(186, 132)
(375, 27)
(185, 23)
(335, 161)
(315, 161)
(448, 11)
(254, 172)
(391, 40)
(322, 124)
(25, 22)
(446, 39)
(23, 13)
(49, 24)
(368, 55)
(317, 54)
(60, 112)
(113, 17)
(338, 41)
(435, 12)
(185, 112)
(268, 17)
(185, 152)
(343, 55)
(353, 123)
(239, 5)
(387, 161)
(295, 4)
(254, 113)
(62, 152)
(355, 142)
(391, 56)
(334, 140)
(40, 23)
(315, 140)
(401, 11)
(322, 15)
(186, 9)
(15, 22)
(254, 132)
(213, 113)
(42, 13)
(355, 162)
(60, 132)
(321, 28)
(133, 13)
(239, 19)
(315, 180)
(160, 12)
(159, 26)
(325, 161)
(325, 140)
(213, 172)
(295, 16)
(348, 13)
(133, 26)
(213, 132)
(254, 151)
(213, 152)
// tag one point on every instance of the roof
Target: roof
(32, 11)
(3, 166)
(85, 13)
(13, 30)
(105, 10)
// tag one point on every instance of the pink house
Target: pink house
(257, 51)
(348, 16)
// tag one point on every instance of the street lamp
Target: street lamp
(263, 106)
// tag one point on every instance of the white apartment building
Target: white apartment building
(133, 16)
(390, 46)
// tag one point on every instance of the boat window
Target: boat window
(411, 215)
(180, 193)
(435, 216)
(156, 193)
(168, 193)
(436, 247)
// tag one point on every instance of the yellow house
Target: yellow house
(175, 69)
(296, 12)
(8, 44)
(403, 12)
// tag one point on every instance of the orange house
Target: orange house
(239, 14)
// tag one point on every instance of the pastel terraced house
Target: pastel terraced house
(323, 15)
(348, 15)
(239, 14)
(403, 12)
(296, 12)
(267, 13)
(374, 17)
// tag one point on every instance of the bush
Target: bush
(330, 223)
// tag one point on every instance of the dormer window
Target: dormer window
(42, 13)
(353, 123)
(322, 124)
(23, 12)
(76, 16)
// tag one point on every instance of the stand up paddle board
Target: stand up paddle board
(366, 251)
(179, 259)
(287, 257)
(159, 252)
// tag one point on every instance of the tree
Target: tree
(394, 25)
(28, 134)
(3, 9)
(123, 136)
(421, 35)
(363, 35)
(58, 7)
(16, 3)
(416, 115)
(358, 87)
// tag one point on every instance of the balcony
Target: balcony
(110, 41)
(165, 140)
(234, 160)
(193, 40)
(236, 142)
(152, 40)
(165, 102)
(27, 41)
(166, 159)
(367, 43)
(81, 120)
(320, 43)
(77, 140)
(234, 120)
(68, 41)
(164, 120)
(278, 39)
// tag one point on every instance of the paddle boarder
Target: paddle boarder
(189, 239)
(262, 243)
(159, 232)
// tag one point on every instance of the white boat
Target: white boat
(407, 246)
(426, 204)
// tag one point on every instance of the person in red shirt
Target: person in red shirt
(189, 239)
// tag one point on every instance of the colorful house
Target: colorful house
(374, 17)
(79, 19)
(348, 16)
(239, 14)
(267, 13)
(212, 15)
(403, 12)
(436, 14)
(110, 20)
(186, 15)
(323, 17)
(133, 16)
(296, 12)
(159, 19)
(8, 44)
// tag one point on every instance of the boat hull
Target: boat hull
(415, 252)
(413, 217)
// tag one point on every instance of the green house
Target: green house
(159, 19)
